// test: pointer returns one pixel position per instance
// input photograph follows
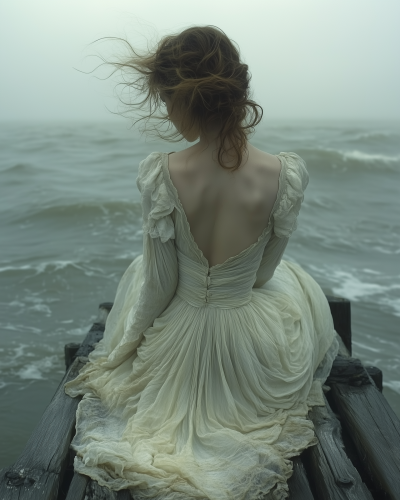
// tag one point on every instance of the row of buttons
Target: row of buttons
(208, 281)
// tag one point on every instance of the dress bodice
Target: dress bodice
(230, 283)
(227, 285)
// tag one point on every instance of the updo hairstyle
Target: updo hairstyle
(200, 70)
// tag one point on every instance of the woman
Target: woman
(202, 383)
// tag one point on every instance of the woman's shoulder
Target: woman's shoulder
(288, 166)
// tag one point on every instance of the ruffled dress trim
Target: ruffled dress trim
(157, 205)
(292, 196)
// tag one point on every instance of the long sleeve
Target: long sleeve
(290, 197)
(271, 258)
(158, 272)
(147, 286)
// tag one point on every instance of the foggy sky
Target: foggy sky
(318, 59)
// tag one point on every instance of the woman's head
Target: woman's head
(199, 74)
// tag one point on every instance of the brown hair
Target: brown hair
(200, 70)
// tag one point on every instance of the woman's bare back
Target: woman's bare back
(227, 211)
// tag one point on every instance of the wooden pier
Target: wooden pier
(357, 456)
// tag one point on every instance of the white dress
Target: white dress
(202, 383)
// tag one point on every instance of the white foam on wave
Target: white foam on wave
(362, 157)
(393, 303)
(79, 331)
(36, 369)
(51, 266)
(392, 384)
(16, 303)
(56, 266)
(361, 345)
(356, 285)
(42, 308)
(351, 287)
(368, 157)
(386, 251)
(374, 135)
(19, 328)
(371, 271)
(40, 305)
(13, 356)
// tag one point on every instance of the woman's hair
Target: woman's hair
(200, 70)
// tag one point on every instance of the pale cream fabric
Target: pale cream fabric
(201, 385)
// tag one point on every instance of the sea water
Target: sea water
(70, 224)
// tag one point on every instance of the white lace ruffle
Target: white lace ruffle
(156, 203)
(285, 216)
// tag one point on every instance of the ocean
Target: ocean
(70, 224)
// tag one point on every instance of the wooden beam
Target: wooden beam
(299, 487)
(377, 376)
(38, 472)
(341, 314)
(77, 487)
(375, 430)
(94, 335)
(104, 311)
(334, 477)
(70, 351)
(96, 492)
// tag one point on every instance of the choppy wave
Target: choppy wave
(353, 288)
(330, 158)
(89, 208)
(366, 138)
(363, 285)
(37, 370)
(88, 268)
(19, 365)
(392, 384)
(369, 158)
(42, 267)
(19, 169)
(71, 220)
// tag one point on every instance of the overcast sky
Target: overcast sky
(324, 59)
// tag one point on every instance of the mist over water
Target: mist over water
(70, 221)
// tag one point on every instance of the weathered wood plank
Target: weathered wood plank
(333, 475)
(124, 495)
(377, 376)
(347, 370)
(106, 306)
(96, 492)
(341, 314)
(104, 311)
(39, 470)
(70, 351)
(94, 335)
(77, 487)
(374, 429)
(299, 487)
